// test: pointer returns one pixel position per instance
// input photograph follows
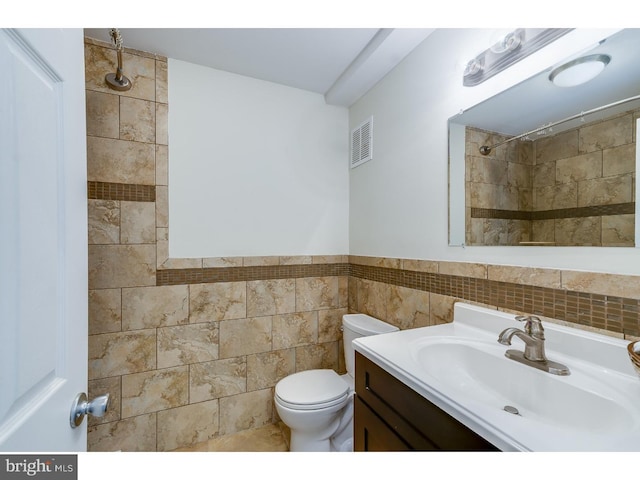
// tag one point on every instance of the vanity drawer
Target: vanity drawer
(417, 421)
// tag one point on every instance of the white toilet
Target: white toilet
(317, 405)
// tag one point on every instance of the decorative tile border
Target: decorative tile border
(613, 313)
(593, 211)
(187, 276)
(121, 191)
(497, 213)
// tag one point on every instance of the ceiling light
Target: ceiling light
(579, 71)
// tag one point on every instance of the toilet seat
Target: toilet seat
(312, 390)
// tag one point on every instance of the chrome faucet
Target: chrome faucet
(533, 338)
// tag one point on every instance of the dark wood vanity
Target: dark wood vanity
(390, 416)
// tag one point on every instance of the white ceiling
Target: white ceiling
(340, 63)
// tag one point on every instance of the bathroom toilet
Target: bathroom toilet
(317, 405)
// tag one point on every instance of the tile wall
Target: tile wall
(190, 349)
(573, 188)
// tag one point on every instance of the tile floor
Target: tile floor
(270, 438)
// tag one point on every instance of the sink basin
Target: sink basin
(480, 371)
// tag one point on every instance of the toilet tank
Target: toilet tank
(360, 325)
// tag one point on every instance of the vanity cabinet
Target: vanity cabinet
(390, 416)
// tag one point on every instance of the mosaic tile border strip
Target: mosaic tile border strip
(612, 313)
(187, 276)
(502, 214)
(121, 191)
(593, 211)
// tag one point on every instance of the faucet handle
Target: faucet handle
(532, 326)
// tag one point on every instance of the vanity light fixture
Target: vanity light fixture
(579, 71)
(513, 47)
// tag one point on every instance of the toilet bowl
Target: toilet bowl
(317, 405)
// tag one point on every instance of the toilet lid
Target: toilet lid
(311, 388)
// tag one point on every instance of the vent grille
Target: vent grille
(361, 143)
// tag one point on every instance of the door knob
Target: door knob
(81, 407)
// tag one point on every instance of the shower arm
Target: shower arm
(119, 73)
(486, 149)
(117, 81)
(117, 40)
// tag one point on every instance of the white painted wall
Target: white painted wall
(398, 200)
(255, 168)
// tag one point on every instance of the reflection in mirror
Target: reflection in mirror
(540, 164)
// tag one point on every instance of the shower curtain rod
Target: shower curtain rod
(486, 150)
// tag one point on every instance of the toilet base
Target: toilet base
(342, 439)
(336, 437)
(313, 440)
(307, 443)
(346, 446)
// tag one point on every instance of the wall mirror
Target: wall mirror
(549, 164)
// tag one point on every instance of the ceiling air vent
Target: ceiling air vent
(361, 143)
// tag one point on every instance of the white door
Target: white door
(43, 239)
